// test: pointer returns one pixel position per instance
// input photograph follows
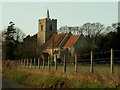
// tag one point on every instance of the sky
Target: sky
(25, 15)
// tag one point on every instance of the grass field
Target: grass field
(70, 68)
(43, 78)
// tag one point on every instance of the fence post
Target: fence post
(38, 63)
(24, 62)
(91, 66)
(27, 63)
(7, 63)
(30, 63)
(48, 63)
(43, 63)
(21, 62)
(34, 63)
(56, 62)
(64, 65)
(112, 59)
(17, 63)
(75, 62)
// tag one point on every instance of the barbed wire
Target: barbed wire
(102, 52)
(80, 55)
(102, 59)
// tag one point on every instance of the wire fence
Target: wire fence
(105, 61)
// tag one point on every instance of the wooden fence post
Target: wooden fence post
(43, 63)
(17, 62)
(112, 59)
(24, 62)
(27, 63)
(7, 63)
(91, 66)
(21, 62)
(34, 63)
(64, 65)
(30, 63)
(38, 63)
(48, 63)
(56, 62)
(75, 62)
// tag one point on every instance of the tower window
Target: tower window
(41, 27)
(50, 27)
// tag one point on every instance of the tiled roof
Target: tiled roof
(71, 40)
(56, 39)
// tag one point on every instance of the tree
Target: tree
(66, 29)
(92, 29)
(19, 35)
(8, 41)
(11, 40)
(112, 38)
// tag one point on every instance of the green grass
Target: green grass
(17, 76)
(43, 78)
(102, 68)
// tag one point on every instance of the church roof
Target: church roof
(55, 40)
(71, 40)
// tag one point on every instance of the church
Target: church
(57, 45)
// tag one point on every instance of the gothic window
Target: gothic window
(50, 27)
(41, 27)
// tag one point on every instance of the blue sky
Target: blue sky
(26, 15)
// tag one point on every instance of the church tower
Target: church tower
(46, 27)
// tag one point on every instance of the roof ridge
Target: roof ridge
(64, 38)
(60, 34)
(61, 40)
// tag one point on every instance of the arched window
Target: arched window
(50, 27)
(41, 27)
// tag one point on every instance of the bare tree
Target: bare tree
(112, 28)
(19, 35)
(66, 29)
(115, 26)
(92, 29)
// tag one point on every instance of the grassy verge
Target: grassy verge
(53, 79)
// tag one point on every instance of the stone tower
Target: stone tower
(46, 27)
